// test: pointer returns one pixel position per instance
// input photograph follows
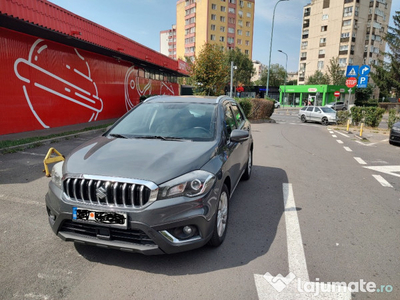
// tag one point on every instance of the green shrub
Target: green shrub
(393, 117)
(245, 103)
(261, 109)
(356, 115)
(373, 116)
(342, 116)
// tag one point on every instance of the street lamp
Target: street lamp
(270, 47)
(232, 67)
(284, 91)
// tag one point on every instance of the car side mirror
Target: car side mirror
(238, 135)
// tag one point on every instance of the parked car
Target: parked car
(394, 137)
(337, 105)
(322, 114)
(277, 104)
(158, 181)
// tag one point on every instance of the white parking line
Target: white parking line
(334, 135)
(382, 181)
(360, 160)
(348, 149)
(346, 135)
(339, 141)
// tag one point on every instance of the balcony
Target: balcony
(321, 55)
(305, 36)
(343, 52)
(345, 40)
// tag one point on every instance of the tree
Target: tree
(276, 77)
(318, 78)
(363, 95)
(210, 71)
(335, 73)
(386, 75)
(244, 70)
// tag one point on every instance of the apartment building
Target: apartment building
(168, 42)
(228, 23)
(351, 30)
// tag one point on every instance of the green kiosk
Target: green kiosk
(319, 95)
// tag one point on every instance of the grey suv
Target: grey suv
(158, 181)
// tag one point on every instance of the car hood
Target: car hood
(146, 159)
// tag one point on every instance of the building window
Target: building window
(304, 45)
(214, 6)
(231, 30)
(247, 33)
(222, 39)
(324, 28)
(326, 4)
(248, 24)
(249, 4)
(232, 1)
(346, 23)
(246, 52)
(305, 34)
(231, 40)
(222, 28)
(345, 35)
(239, 32)
(222, 19)
(213, 17)
(240, 22)
(212, 37)
(239, 41)
(321, 52)
(223, 8)
(231, 10)
(247, 43)
(348, 11)
(248, 15)
(344, 48)
(320, 65)
(213, 27)
(322, 40)
(342, 62)
(325, 17)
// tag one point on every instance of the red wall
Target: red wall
(44, 84)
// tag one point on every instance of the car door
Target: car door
(234, 152)
(316, 114)
(308, 112)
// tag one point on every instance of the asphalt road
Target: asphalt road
(311, 209)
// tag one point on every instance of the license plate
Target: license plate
(114, 219)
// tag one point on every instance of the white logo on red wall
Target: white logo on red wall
(54, 88)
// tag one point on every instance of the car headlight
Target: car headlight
(56, 174)
(190, 185)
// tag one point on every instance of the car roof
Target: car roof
(189, 99)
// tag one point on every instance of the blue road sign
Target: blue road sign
(362, 82)
(352, 71)
(364, 70)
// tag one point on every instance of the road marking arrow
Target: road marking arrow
(391, 170)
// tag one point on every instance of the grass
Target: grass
(12, 143)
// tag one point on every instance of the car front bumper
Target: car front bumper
(156, 229)
(394, 137)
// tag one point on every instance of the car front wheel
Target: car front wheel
(324, 121)
(221, 221)
(303, 118)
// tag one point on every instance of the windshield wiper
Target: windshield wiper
(159, 137)
(117, 135)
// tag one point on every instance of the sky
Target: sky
(142, 21)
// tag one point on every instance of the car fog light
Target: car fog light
(187, 230)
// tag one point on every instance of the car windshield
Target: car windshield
(327, 110)
(169, 121)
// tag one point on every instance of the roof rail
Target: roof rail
(153, 97)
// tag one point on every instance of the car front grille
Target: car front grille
(134, 236)
(111, 193)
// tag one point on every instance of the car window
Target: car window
(193, 121)
(238, 115)
(230, 120)
(327, 110)
(317, 110)
(304, 108)
(310, 108)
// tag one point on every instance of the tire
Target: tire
(324, 121)
(249, 167)
(303, 119)
(221, 218)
